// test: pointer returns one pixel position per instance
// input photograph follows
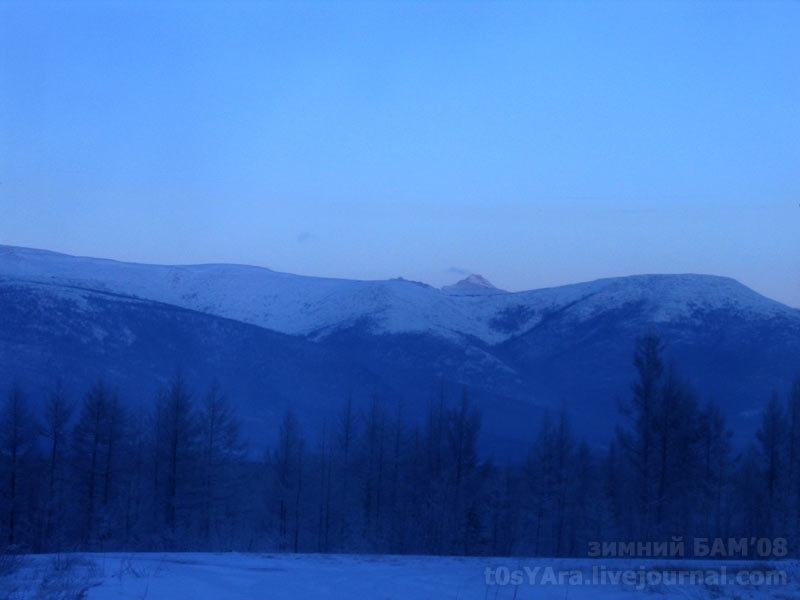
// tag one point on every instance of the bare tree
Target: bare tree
(176, 458)
(287, 461)
(222, 450)
(18, 434)
(463, 424)
(96, 440)
(57, 416)
(638, 443)
(773, 444)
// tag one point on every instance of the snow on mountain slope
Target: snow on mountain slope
(315, 307)
(473, 285)
(282, 302)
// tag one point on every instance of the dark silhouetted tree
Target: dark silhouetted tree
(57, 416)
(18, 434)
(773, 445)
(465, 477)
(287, 463)
(176, 464)
(221, 453)
(96, 459)
(638, 443)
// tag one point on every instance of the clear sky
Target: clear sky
(536, 143)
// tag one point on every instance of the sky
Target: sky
(535, 143)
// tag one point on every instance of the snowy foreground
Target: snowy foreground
(196, 576)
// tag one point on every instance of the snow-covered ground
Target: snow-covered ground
(233, 576)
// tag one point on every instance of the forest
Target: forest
(94, 474)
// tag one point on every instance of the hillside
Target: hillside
(274, 339)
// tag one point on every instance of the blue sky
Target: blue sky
(536, 143)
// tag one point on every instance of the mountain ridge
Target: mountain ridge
(276, 340)
(301, 305)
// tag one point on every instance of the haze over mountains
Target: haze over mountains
(274, 339)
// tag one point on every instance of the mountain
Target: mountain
(473, 285)
(275, 339)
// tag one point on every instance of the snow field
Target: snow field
(234, 576)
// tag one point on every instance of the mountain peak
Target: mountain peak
(476, 279)
(473, 285)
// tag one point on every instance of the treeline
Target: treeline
(178, 475)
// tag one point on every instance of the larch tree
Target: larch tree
(714, 473)
(287, 462)
(18, 434)
(773, 444)
(638, 442)
(176, 460)
(57, 416)
(465, 478)
(343, 469)
(96, 460)
(373, 467)
(221, 452)
(548, 474)
(793, 475)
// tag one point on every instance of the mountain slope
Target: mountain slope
(275, 339)
(51, 334)
(315, 306)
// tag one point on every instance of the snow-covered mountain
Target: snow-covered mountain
(275, 338)
(473, 285)
(313, 306)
